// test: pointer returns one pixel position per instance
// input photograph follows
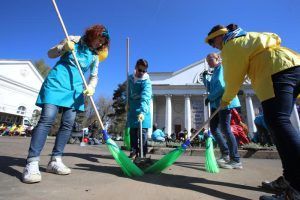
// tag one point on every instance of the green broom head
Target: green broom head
(127, 139)
(168, 159)
(127, 166)
(211, 164)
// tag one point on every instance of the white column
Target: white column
(250, 115)
(168, 119)
(295, 119)
(151, 118)
(187, 114)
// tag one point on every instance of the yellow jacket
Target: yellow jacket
(257, 55)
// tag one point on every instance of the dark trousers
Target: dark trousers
(134, 140)
(277, 112)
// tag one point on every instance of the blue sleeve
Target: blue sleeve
(206, 81)
(218, 86)
(146, 96)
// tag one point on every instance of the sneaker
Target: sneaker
(289, 194)
(278, 185)
(31, 173)
(56, 166)
(232, 165)
(223, 159)
(132, 155)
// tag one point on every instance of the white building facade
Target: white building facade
(178, 100)
(20, 84)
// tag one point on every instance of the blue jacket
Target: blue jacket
(259, 120)
(63, 85)
(140, 94)
(157, 133)
(216, 86)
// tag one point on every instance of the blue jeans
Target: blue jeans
(43, 127)
(277, 112)
(134, 140)
(230, 148)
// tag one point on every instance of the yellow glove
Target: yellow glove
(69, 46)
(141, 117)
(89, 91)
(102, 55)
(224, 104)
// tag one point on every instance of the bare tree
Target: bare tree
(104, 107)
(42, 67)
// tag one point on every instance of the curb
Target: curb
(249, 153)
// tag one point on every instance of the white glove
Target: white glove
(89, 91)
(69, 46)
(141, 117)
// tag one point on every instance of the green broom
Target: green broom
(128, 167)
(172, 156)
(127, 139)
(168, 159)
(211, 164)
(121, 158)
(127, 129)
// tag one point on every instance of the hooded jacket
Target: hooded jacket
(259, 56)
(140, 94)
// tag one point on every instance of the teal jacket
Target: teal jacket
(216, 86)
(64, 86)
(157, 133)
(140, 94)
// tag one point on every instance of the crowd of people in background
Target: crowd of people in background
(13, 129)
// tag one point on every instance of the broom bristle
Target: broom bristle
(211, 164)
(168, 159)
(127, 139)
(128, 167)
(165, 161)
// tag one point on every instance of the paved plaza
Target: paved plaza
(95, 175)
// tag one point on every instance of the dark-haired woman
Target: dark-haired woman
(275, 76)
(62, 91)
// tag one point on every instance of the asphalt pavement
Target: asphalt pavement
(95, 175)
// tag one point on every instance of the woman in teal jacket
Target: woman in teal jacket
(62, 91)
(275, 76)
(230, 158)
(140, 94)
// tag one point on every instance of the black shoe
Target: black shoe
(132, 155)
(289, 194)
(279, 185)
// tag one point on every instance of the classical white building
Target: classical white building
(20, 83)
(178, 100)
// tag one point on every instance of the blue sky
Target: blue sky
(168, 33)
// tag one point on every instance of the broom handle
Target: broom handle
(77, 63)
(141, 140)
(207, 93)
(206, 122)
(127, 70)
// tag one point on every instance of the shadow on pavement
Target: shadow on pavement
(169, 180)
(88, 156)
(191, 183)
(7, 163)
(163, 179)
(190, 165)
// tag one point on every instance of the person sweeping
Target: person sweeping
(140, 94)
(230, 158)
(63, 91)
(275, 77)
